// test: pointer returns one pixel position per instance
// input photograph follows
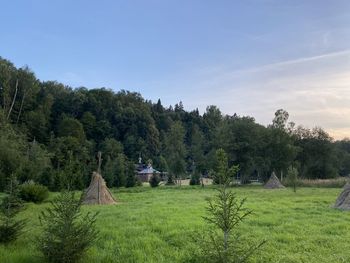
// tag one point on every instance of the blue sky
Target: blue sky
(251, 57)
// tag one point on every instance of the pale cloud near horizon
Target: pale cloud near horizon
(314, 90)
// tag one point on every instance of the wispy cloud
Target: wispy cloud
(315, 90)
(282, 64)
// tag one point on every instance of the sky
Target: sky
(249, 57)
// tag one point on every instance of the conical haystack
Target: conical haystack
(273, 182)
(98, 193)
(343, 200)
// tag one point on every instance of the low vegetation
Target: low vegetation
(67, 233)
(156, 225)
(10, 226)
(323, 183)
(154, 180)
(32, 192)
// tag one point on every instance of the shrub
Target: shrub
(170, 180)
(11, 205)
(138, 182)
(67, 233)
(292, 177)
(195, 179)
(154, 180)
(32, 192)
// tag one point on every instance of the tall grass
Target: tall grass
(320, 183)
(157, 225)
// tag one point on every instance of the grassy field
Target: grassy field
(156, 225)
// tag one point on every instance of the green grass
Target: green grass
(156, 225)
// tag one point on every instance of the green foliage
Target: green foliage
(67, 233)
(196, 152)
(195, 179)
(51, 126)
(36, 164)
(71, 176)
(70, 127)
(175, 150)
(12, 154)
(154, 180)
(131, 179)
(115, 171)
(222, 244)
(170, 179)
(292, 177)
(167, 225)
(280, 120)
(32, 192)
(11, 205)
(111, 148)
(318, 158)
(223, 173)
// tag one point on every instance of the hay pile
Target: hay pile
(273, 182)
(98, 193)
(343, 200)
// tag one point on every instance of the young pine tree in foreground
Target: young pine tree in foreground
(11, 205)
(223, 244)
(67, 233)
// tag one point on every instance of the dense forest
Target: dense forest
(50, 133)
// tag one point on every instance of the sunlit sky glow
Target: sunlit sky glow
(249, 57)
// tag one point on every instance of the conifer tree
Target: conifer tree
(224, 213)
(67, 232)
(11, 205)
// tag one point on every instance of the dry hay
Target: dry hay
(273, 182)
(343, 200)
(98, 193)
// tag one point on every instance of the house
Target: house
(145, 174)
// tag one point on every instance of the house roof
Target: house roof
(149, 170)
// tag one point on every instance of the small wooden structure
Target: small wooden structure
(273, 182)
(343, 200)
(98, 192)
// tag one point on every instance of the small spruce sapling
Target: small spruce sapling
(11, 205)
(67, 232)
(225, 213)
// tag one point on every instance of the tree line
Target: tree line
(50, 133)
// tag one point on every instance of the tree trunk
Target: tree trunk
(226, 234)
(281, 176)
(13, 100)
(20, 109)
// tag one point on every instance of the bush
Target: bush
(11, 205)
(292, 177)
(154, 180)
(67, 233)
(32, 192)
(170, 180)
(195, 179)
(138, 182)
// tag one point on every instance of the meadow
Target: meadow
(159, 225)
